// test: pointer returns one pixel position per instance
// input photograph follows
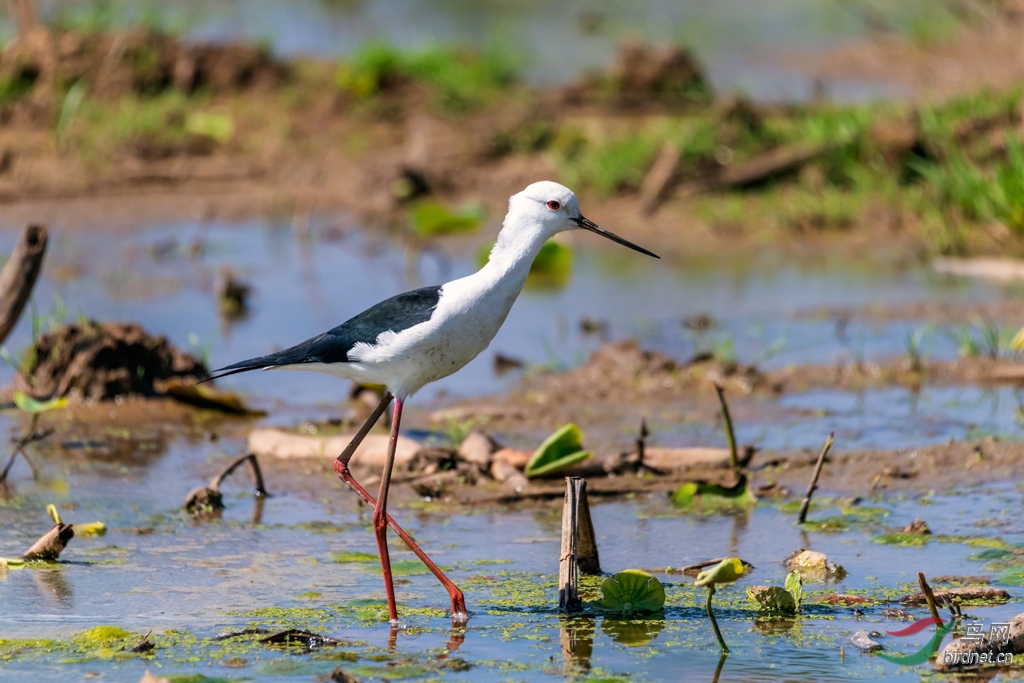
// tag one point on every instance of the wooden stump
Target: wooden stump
(579, 545)
(19, 276)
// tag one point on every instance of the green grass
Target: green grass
(168, 121)
(460, 79)
(611, 167)
(979, 194)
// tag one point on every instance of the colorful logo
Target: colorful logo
(929, 648)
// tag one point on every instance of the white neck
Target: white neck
(490, 292)
(513, 254)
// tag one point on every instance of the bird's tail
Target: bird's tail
(244, 366)
(319, 349)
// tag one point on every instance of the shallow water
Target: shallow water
(882, 418)
(765, 310)
(220, 575)
(208, 577)
(772, 311)
(559, 42)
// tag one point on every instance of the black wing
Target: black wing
(395, 314)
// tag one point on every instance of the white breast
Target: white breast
(465, 321)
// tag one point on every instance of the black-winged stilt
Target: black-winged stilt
(415, 338)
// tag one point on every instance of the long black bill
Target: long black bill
(594, 227)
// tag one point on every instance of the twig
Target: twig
(729, 433)
(641, 440)
(814, 480)
(10, 464)
(568, 593)
(19, 274)
(30, 436)
(714, 622)
(257, 475)
(929, 596)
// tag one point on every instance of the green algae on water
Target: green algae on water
(902, 539)
(372, 563)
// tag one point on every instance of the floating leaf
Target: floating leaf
(31, 405)
(560, 450)
(219, 127)
(11, 562)
(91, 529)
(725, 571)
(708, 495)
(632, 590)
(795, 586)
(773, 599)
(431, 217)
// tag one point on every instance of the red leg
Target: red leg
(380, 513)
(341, 468)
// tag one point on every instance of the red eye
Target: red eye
(554, 206)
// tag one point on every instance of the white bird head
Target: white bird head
(555, 209)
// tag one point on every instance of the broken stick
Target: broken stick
(659, 178)
(814, 479)
(579, 548)
(929, 597)
(19, 276)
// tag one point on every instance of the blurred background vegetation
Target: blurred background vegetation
(716, 109)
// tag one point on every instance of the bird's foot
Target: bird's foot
(460, 615)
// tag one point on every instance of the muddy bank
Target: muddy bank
(947, 59)
(224, 130)
(624, 374)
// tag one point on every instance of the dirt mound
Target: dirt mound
(624, 369)
(101, 361)
(140, 61)
(642, 75)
